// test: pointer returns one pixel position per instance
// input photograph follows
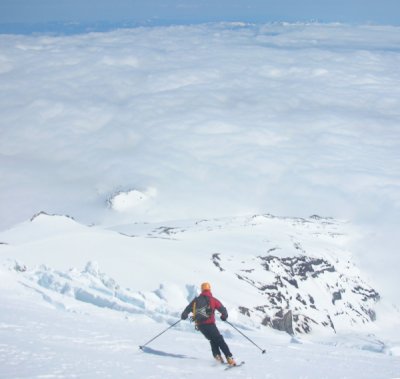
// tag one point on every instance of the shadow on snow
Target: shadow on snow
(149, 350)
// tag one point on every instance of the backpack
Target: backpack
(201, 308)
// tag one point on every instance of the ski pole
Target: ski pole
(158, 335)
(234, 327)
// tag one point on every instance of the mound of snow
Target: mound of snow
(93, 287)
(128, 201)
(41, 226)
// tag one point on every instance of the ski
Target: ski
(238, 365)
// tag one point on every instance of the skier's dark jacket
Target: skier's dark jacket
(215, 304)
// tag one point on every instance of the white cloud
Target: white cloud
(288, 118)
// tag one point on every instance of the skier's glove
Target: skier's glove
(184, 316)
(224, 317)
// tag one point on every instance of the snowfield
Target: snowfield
(44, 335)
(64, 316)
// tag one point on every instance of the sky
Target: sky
(195, 11)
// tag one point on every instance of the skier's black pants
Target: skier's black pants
(217, 342)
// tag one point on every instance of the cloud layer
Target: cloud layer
(218, 119)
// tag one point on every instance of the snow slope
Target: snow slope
(49, 335)
(264, 266)
(111, 290)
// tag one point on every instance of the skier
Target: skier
(202, 309)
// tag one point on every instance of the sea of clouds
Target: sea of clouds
(204, 121)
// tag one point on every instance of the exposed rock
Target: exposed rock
(215, 259)
(42, 213)
(336, 296)
(283, 322)
(244, 311)
(301, 287)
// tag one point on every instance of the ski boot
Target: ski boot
(219, 359)
(230, 361)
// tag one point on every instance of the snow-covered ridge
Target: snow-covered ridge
(263, 266)
(42, 226)
(95, 288)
